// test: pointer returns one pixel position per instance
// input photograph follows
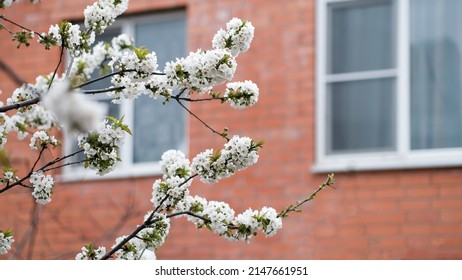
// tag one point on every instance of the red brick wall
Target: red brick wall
(411, 214)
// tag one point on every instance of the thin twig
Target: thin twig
(57, 67)
(295, 208)
(200, 120)
(63, 165)
(20, 26)
(43, 169)
(96, 91)
(110, 75)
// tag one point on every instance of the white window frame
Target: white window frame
(403, 157)
(125, 168)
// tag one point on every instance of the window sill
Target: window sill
(389, 161)
(73, 174)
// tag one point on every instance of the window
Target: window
(389, 79)
(156, 127)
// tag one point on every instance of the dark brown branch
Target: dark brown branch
(18, 105)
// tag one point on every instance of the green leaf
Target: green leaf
(141, 52)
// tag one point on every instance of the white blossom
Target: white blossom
(155, 234)
(6, 240)
(90, 253)
(42, 185)
(6, 3)
(103, 13)
(202, 70)
(75, 111)
(236, 38)
(41, 139)
(270, 223)
(101, 146)
(175, 181)
(220, 215)
(237, 154)
(241, 95)
(141, 64)
(9, 177)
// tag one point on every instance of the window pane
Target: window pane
(159, 127)
(361, 36)
(361, 116)
(436, 92)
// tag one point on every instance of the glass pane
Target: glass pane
(159, 127)
(361, 116)
(436, 92)
(361, 36)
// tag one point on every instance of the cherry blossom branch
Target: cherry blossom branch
(202, 99)
(43, 169)
(149, 221)
(296, 208)
(110, 75)
(19, 105)
(96, 91)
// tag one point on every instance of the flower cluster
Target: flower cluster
(156, 232)
(33, 116)
(238, 154)
(42, 139)
(42, 185)
(147, 240)
(201, 70)
(219, 218)
(175, 182)
(8, 3)
(241, 95)
(103, 13)
(101, 145)
(134, 249)
(23, 93)
(6, 239)
(137, 66)
(75, 111)
(90, 253)
(84, 65)
(236, 38)
(5, 3)
(68, 36)
(246, 223)
(9, 176)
